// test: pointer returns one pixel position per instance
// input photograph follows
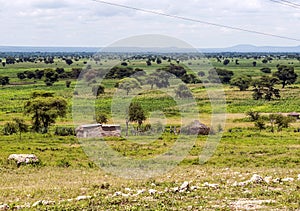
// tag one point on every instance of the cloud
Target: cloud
(86, 22)
(50, 4)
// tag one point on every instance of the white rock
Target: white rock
(189, 208)
(240, 183)
(152, 191)
(175, 189)
(287, 179)
(118, 193)
(125, 194)
(256, 179)
(298, 177)
(37, 203)
(268, 179)
(4, 207)
(153, 184)
(128, 189)
(206, 184)
(45, 202)
(80, 198)
(23, 158)
(277, 180)
(184, 186)
(194, 188)
(139, 192)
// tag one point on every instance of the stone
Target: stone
(190, 207)
(184, 186)
(268, 179)
(215, 186)
(118, 193)
(139, 192)
(175, 189)
(80, 198)
(152, 191)
(37, 203)
(287, 179)
(23, 158)
(128, 189)
(192, 188)
(298, 177)
(256, 179)
(4, 207)
(45, 202)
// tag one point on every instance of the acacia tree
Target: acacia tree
(264, 88)
(136, 113)
(159, 78)
(20, 126)
(242, 82)
(128, 84)
(183, 91)
(44, 109)
(286, 75)
(4, 80)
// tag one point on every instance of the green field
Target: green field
(66, 172)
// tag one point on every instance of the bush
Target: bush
(10, 128)
(265, 70)
(64, 131)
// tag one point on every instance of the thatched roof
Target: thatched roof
(196, 128)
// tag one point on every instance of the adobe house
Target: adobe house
(98, 131)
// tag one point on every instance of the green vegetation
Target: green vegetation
(36, 118)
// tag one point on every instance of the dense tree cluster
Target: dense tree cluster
(121, 72)
(217, 75)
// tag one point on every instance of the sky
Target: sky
(86, 23)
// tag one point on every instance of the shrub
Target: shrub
(10, 128)
(64, 131)
(265, 70)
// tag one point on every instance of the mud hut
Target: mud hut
(196, 128)
(98, 131)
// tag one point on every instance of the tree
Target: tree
(97, 90)
(129, 84)
(159, 78)
(254, 115)
(4, 80)
(68, 84)
(217, 75)
(286, 75)
(124, 64)
(242, 82)
(254, 63)
(136, 113)
(201, 74)
(158, 60)
(21, 76)
(101, 118)
(44, 109)
(183, 92)
(68, 61)
(281, 121)
(260, 124)
(264, 88)
(9, 128)
(226, 62)
(20, 126)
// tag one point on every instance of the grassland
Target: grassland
(66, 172)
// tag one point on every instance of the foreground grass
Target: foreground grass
(66, 172)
